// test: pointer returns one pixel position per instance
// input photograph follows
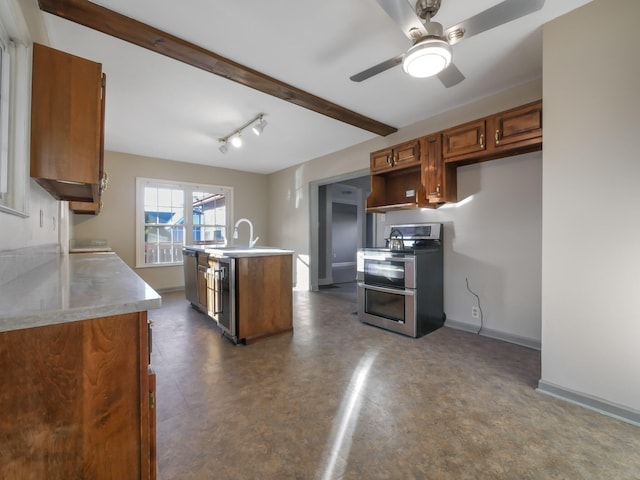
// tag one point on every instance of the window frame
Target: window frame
(188, 189)
(15, 129)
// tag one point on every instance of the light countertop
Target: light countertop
(237, 251)
(74, 287)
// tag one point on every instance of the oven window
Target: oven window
(386, 273)
(385, 305)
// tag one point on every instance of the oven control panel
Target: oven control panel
(416, 231)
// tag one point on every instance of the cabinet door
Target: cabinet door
(66, 124)
(86, 208)
(78, 398)
(152, 423)
(381, 160)
(439, 180)
(464, 139)
(203, 265)
(432, 178)
(406, 154)
(517, 125)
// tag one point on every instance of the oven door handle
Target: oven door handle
(396, 291)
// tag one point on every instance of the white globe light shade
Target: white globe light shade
(426, 58)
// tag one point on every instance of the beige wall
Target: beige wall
(116, 222)
(591, 225)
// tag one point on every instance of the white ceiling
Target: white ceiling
(159, 107)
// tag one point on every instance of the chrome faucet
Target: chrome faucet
(252, 241)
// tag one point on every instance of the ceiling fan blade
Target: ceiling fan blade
(404, 15)
(376, 69)
(451, 76)
(497, 15)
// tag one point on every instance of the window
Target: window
(15, 86)
(173, 214)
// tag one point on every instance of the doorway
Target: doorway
(339, 227)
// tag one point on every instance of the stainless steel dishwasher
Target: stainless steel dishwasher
(221, 295)
(190, 276)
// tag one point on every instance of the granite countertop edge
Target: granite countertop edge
(72, 288)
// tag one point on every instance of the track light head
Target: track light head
(236, 140)
(224, 148)
(259, 127)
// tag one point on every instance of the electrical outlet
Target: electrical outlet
(475, 312)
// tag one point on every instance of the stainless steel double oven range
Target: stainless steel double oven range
(401, 288)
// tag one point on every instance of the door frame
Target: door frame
(314, 221)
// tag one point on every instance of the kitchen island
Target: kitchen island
(249, 290)
(76, 388)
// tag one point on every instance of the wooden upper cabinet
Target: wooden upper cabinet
(381, 160)
(67, 124)
(503, 134)
(440, 181)
(422, 172)
(519, 126)
(400, 156)
(467, 139)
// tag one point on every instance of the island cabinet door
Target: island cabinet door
(74, 397)
(264, 296)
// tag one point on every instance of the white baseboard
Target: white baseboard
(599, 405)
(498, 335)
(169, 290)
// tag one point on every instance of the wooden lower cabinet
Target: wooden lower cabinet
(76, 401)
(264, 296)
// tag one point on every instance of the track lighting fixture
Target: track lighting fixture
(235, 138)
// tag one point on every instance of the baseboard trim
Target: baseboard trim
(487, 332)
(169, 290)
(599, 405)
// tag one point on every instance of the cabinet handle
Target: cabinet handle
(437, 192)
(497, 136)
(482, 140)
(388, 159)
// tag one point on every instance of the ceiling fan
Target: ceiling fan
(431, 52)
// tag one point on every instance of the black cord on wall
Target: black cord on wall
(479, 307)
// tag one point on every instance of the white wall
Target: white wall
(591, 225)
(19, 232)
(492, 237)
(116, 222)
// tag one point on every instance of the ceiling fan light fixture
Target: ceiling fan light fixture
(427, 57)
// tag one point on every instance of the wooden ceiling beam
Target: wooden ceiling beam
(125, 28)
